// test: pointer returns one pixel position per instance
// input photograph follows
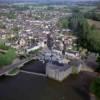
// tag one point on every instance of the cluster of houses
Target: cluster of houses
(59, 67)
(28, 32)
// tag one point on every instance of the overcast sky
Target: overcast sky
(54, 0)
(47, 0)
(83, 0)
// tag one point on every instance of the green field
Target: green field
(96, 23)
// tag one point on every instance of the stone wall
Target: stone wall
(57, 74)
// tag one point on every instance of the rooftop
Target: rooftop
(58, 66)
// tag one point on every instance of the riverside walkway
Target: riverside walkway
(33, 73)
(19, 64)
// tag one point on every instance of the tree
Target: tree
(93, 40)
(50, 8)
(50, 43)
(74, 20)
(64, 48)
(80, 27)
(2, 25)
(75, 10)
(93, 15)
(95, 87)
(15, 30)
(11, 15)
(2, 46)
(63, 23)
(88, 37)
(98, 68)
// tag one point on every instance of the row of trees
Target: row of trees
(88, 37)
(93, 15)
(63, 23)
(10, 15)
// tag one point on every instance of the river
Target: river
(31, 87)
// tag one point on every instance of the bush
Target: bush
(95, 87)
(63, 23)
(98, 67)
(74, 70)
(2, 46)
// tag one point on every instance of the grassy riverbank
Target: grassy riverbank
(7, 56)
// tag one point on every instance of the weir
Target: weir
(33, 73)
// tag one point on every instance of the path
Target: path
(8, 68)
(33, 73)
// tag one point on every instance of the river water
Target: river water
(30, 87)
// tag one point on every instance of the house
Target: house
(72, 54)
(35, 47)
(22, 42)
(2, 34)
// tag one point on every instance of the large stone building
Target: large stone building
(60, 71)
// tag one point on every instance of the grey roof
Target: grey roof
(57, 67)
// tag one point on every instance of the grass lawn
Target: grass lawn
(7, 55)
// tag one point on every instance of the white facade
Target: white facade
(33, 49)
(40, 45)
(58, 73)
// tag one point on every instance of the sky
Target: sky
(44, 0)
(52, 0)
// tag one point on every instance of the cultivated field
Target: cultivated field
(96, 23)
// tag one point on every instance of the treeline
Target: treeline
(10, 15)
(63, 23)
(93, 15)
(21, 7)
(2, 26)
(88, 36)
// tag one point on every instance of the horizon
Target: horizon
(46, 0)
